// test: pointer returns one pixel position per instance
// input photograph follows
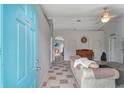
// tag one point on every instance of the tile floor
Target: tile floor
(60, 76)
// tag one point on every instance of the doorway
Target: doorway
(112, 48)
(58, 49)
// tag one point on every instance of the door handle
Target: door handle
(38, 68)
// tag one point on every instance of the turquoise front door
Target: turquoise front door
(20, 46)
(1, 48)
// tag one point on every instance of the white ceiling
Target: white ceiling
(65, 16)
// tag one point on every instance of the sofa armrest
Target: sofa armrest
(100, 73)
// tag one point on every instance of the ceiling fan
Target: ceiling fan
(106, 16)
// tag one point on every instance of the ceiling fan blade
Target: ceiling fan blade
(113, 16)
(99, 22)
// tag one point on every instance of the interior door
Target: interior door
(112, 49)
(72, 47)
(1, 49)
(20, 49)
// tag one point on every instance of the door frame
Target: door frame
(110, 46)
(51, 58)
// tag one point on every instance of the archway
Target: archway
(58, 49)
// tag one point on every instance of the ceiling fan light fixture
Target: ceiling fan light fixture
(105, 19)
(105, 16)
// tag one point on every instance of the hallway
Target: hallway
(60, 76)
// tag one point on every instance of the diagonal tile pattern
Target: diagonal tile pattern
(60, 76)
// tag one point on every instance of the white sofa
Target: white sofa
(91, 82)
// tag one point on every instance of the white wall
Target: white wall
(115, 26)
(72, 42)
(44, 47)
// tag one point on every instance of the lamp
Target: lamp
(105, 20)
(105, 16)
